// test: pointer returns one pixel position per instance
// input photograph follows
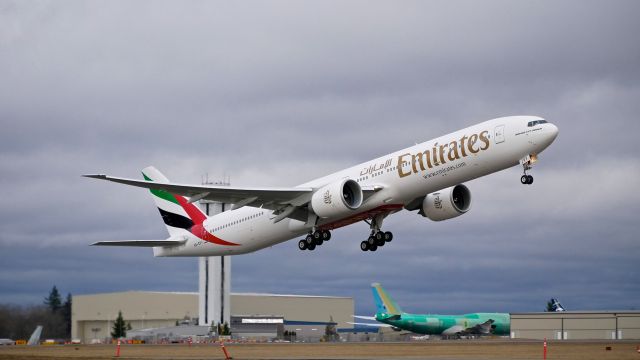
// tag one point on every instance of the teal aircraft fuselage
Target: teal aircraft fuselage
(499, 323)
(459, 325)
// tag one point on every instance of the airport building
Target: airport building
(256, 315)
(160, 315)
(576, 325)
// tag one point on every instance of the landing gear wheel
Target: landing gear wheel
(326, 235)
(388, 236)
(311, 247)
(371, 240)
(309, 240)
(317, 235)
(380, 242)
(302, 245)
(373, 247)
(318, 242)
(364, 246)
(379, 236)
(529, 179)
(524, 179)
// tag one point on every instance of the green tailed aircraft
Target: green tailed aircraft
(389, 313)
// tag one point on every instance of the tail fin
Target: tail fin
(555, 305)
(35, 337)
(384, 302)
(176, 211)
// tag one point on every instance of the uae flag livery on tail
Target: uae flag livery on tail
(177, 213)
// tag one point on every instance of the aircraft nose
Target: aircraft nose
(553, 131)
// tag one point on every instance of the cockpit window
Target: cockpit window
(536, 122)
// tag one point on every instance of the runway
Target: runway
(435, 350)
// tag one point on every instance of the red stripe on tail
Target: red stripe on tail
(194, 213)
(198, 218)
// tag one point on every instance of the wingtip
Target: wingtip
(95, 176)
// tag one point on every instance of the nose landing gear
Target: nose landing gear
(527, 163)
(526, 179)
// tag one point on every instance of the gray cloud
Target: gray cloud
(279, 93)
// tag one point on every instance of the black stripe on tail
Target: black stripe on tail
(175, 220)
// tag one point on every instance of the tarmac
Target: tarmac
(434, 350)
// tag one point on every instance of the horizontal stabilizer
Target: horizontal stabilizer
(234, 195)
(369, 324)
(364, 317)
(140, 243)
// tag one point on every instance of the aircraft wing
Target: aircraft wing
(479, 329)
(140, 243)
(285, 202)
(482, 329)
(364, 317)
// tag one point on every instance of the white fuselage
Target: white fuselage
(481, 149)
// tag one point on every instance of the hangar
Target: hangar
(92, 316)
(576, 325)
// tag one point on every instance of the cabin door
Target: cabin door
(499, 134)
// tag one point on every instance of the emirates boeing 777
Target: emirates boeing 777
(427, 177)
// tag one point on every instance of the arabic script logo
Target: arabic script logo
(437, 203)
(327, 197)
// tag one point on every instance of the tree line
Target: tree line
(54, 314)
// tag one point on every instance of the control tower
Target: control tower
(214, 285)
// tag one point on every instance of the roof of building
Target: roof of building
(578, 312)
(195, 294)
(291, 295)
(310, 323)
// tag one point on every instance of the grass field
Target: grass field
(415, 350)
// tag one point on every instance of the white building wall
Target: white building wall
(147, 309)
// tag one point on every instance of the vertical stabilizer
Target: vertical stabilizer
(35, 337)
(177, 213)
(555, 305)
(384, 302)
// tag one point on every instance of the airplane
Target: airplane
(554, 305)
(33, 340)
(427, 178)
(390, 315)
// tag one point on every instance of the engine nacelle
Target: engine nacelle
(447, 203)
(336, 199)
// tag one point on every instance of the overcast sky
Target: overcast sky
(278, 93)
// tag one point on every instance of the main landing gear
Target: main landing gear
(315, 238)
(378, 237)
(375, 240)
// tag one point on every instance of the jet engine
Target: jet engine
(337, 199)
(447, 203)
